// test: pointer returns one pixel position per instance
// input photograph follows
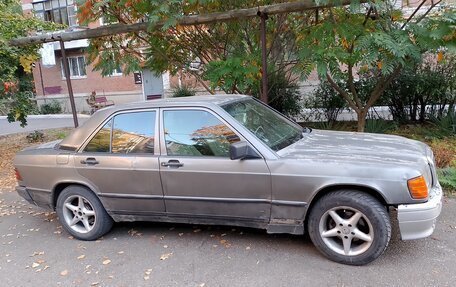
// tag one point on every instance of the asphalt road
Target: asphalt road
(40, 122)
(35, 251)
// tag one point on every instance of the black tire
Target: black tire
(369, 237)
(98, 224)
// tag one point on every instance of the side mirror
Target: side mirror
(242, 150)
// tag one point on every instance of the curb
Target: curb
(55, 116)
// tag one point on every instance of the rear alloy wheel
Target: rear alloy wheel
(350, 227)
(82, 214)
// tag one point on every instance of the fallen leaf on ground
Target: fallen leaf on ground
(64, 273)
(81, 256)
(165, 256)
(146, 277)
(106, 262)
(34, 265)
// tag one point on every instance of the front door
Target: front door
(121, 160)
(199, 179)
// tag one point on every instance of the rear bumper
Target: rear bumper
(418, 220)
(23, 192)
(37, 197)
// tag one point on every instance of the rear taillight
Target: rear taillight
(18, 175)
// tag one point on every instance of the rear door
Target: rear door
(121, 160)
(199, 179)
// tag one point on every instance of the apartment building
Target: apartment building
(50, 82)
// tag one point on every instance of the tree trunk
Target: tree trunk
(362, 114)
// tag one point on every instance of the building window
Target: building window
(116, 72)
(77, 67)
(57, 11)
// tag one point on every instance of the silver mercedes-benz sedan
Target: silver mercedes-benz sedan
(232, 160)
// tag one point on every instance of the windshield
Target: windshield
(269, 126)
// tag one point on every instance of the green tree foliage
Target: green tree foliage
(227, 54)
(349, 43)
(16, 62)
(343, 44)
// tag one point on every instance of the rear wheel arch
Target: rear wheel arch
(58, 188)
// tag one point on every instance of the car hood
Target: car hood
(360, 147)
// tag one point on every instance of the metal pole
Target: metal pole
(264, 68)
(42, 82)
(66, 71)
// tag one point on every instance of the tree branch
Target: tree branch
(343, 93)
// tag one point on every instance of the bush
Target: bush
(379, 126)
(51, 108)
(444, 152)
(447, 179)
(325, 103)
(431, 84)
(183, 91)
(284, 95)
(35, 136)
(444, 125)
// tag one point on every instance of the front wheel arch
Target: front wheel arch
(331, 188)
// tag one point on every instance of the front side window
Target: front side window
(196, 133)
(134, 133)
(77, 67)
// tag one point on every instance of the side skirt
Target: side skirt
(275, 226)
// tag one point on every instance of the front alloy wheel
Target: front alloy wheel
(346, 231)
(349, 227)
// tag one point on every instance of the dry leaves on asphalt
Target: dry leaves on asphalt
(166, 256)
(106, 262)
(10, 145)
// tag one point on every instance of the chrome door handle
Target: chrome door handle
(90, 161)
(172, 163)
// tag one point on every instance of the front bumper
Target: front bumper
(418, 220)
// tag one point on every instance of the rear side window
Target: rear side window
(130, 133)
(134, 133)
(101, 141)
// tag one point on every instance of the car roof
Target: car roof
(78, 136)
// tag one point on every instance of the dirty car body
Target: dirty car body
(231, 160)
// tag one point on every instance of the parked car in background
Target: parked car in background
(232, 160)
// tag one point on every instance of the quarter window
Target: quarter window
(196, 133)
(134, 133)
(101, 141)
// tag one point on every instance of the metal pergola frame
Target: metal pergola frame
(261, 11)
